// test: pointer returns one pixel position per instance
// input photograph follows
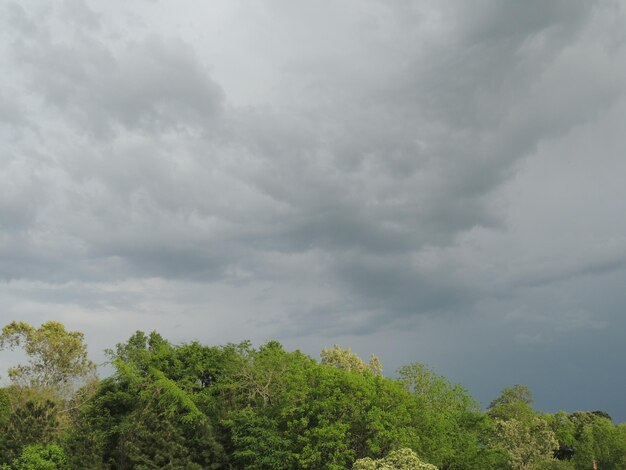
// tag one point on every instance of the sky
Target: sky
(427, 181)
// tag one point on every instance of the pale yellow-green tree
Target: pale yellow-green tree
(401, 459)
(527, 439)
(527, 444)
(57, 358)
(344, 358)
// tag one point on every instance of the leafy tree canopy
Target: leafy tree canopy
(513, 403)
(40, 457)
(344, 358)
(56, 357)
(192, 406)
(402, 459)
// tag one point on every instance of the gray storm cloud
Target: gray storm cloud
(444, 173)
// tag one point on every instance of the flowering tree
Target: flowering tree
(402, 459)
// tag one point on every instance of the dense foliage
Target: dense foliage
(192, 406)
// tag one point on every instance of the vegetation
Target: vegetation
(57, 358)
(193, 406)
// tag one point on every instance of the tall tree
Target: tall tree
(56, 358)
(526, 438)
(141, 417)
(455, 431)
(598, 440)
(527, 444)
(513, 403)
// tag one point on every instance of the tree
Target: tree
(526, 443)
(513, 403)
(455, 430)
(33, 408)
(344, 358)
(40, 457)
(435, 391)
(598, 440)
(564, 431)
(150, 438)
(527, 439)
(278, 417)
(288, 411)
(145, 415)
(28, 422)
(56, 358)
(402, 459)
(5, 407)
(555, 465)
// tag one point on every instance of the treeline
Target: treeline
(192, 406)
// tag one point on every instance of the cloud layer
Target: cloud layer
(425, 180)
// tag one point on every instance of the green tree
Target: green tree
(513, 403)
(29, 421)
(598, 440)
(454, 431)
(527, 444)
(555, 465)
(272, 424)
(290, 412)
(5, 407)
(41, 457)
(259, 441)
(527, 439)
(564, 430)
(141, 417)
(56, 357)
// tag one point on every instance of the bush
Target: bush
(39, 457)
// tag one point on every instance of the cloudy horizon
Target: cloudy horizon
(425, 181)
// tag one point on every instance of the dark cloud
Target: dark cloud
(362, 171)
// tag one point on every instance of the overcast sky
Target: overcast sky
(440, 181)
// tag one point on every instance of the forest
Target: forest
(237, 406)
